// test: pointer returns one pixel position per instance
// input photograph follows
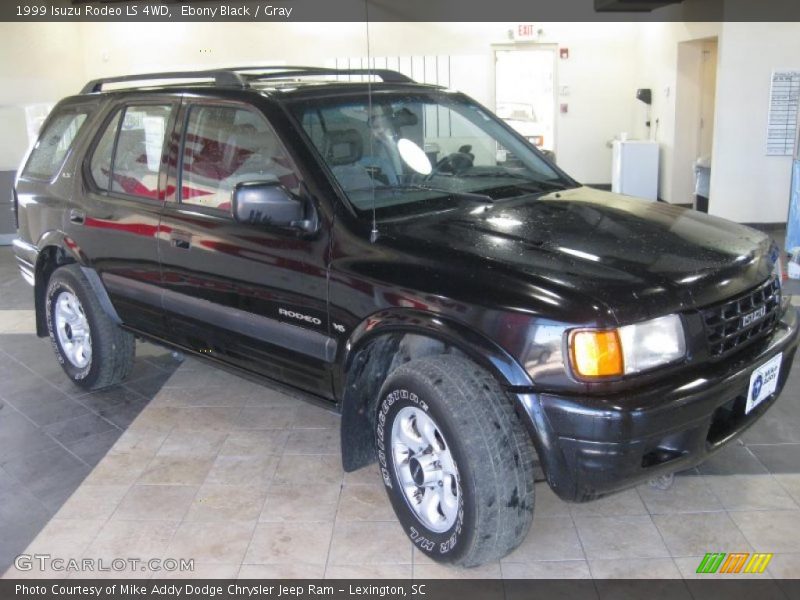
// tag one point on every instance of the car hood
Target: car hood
(637, 258)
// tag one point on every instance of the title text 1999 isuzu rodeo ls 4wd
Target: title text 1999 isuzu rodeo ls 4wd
(395, 250)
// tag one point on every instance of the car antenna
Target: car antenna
(373, 235)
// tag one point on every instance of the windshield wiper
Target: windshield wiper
(543, 186)
(471, 196)
(533, 185)
(554, 185)
(509, 174)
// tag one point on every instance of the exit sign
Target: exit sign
(525, 31)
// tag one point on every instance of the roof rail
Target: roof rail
(239, 76)
(282, 72)
(221, 77)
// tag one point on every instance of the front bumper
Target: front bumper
(590, 446)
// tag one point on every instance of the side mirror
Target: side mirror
(269, 203)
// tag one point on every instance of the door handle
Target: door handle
(181, 240)
(77, 216)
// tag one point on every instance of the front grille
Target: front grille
(735, 323)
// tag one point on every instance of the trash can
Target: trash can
(702, 175)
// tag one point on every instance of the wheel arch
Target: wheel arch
(55, 250)
(390, 338)
(53, 253)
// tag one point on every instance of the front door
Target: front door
(253, 296)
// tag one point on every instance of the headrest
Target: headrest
(404, 118)
(248, 138)
(343, 147)
(244, 129)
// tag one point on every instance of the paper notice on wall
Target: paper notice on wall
(153, 140)
(783, 104)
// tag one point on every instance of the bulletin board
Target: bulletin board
(783, 107)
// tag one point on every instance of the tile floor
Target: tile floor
(247, 481)
(52, 433)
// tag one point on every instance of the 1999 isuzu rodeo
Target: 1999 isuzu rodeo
(396, 251)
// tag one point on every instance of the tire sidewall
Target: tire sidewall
(63, 281)
(397, 394)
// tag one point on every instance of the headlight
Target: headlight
(629, 349)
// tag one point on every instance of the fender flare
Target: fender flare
(357, 439)
(454, 333)
(59, 241)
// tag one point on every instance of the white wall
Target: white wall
(599, 72)
(44, 62)
(746, 185)
(657, 68)
(41, 62)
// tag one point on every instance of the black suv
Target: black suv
(396, 251)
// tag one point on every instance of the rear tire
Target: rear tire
(92, 349)
(455, 459)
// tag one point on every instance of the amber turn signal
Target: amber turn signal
(596, 353)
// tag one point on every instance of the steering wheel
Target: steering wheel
(452, 164)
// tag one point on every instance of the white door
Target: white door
(525, 82)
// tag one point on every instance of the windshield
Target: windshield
(413, 153)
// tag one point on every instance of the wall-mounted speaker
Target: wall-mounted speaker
(645, 95)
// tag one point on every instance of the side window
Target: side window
(51, 148)
(224, 146)
(140, 144)
(103, 154)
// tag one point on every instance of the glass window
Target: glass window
(51, 148)
(140, 144)
(224, 146)
(406, 153)
(101, 158)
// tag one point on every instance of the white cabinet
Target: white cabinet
(635, 168)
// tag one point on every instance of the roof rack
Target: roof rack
(284, 72)
(221, 77)
(240, 76)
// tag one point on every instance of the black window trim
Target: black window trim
(178, 201)
(120, 112)
(172, 103)
(89, 179)
(77, 109)
(190, 105)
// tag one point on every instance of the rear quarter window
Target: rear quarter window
(54, 143)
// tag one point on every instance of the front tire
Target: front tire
(456, 462)
(92, 349)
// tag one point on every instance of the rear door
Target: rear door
(253, 296)
(123, 192)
